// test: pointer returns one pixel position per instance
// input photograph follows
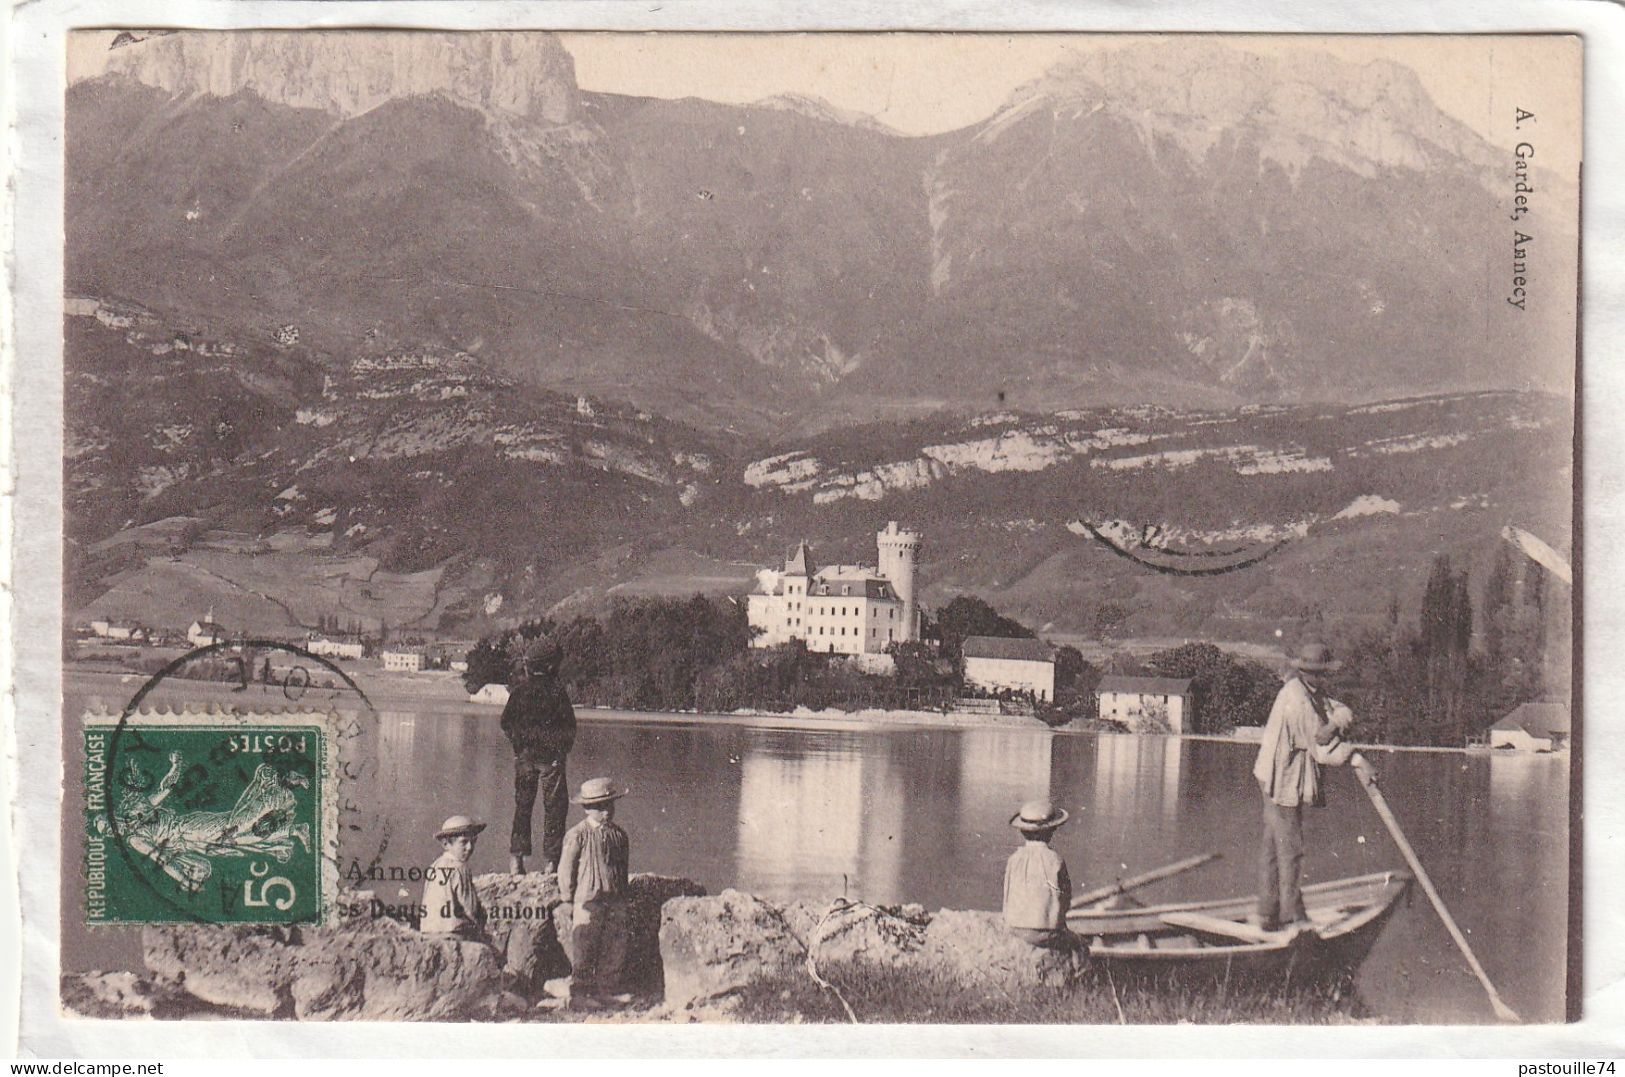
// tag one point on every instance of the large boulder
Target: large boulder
(715, 947)
(842, 932)
(976, 948)
(361, 968)
(520, 912)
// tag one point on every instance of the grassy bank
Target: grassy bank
(912, 996)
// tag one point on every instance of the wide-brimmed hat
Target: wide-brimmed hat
(459, 824)
(597, 791)
(541, 657)
(1315, 657)
(1037, 815)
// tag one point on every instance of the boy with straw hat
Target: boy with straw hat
(451, 905)
(592, 879)
(1037, 888)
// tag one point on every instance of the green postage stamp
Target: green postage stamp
(217, 818)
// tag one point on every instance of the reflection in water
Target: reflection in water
(1137, 779)
(921, 815)
(822, 823)
(999, 770)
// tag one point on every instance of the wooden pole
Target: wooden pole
(1368, 779)
(1135, 882)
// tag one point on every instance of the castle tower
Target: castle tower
(899, 549)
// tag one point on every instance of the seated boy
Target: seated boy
(451, 905)
(592, 879)
(1037, 889)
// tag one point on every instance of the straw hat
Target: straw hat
(1315, 657)
(1036, 815)
(459, 824)
(597, 791)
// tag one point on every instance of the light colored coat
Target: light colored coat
(1037, 888)
(451, 905)
(1298, 739)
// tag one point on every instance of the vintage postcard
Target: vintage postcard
(965, 528)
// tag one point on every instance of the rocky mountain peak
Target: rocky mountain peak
(1361, 115)
(345, 73)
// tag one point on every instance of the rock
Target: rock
(712, 947)
(520, 912)
(975, 947)
(114, 994)
(839, 932)
(647, 894)
(362, 968)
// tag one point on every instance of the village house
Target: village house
(1149, 704)
(1533, 727)
(841, 609)
(403, 661)
(108, 628)
(995, 664)
(207, 631)
(336, 645)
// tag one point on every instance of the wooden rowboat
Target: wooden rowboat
(1213, 940)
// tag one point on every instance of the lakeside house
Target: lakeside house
(841, 609)
(128, 631)
(1140, 702)
(409, 660)
(338, 645)
(993, 664)
(491, 693)
(1533, 727)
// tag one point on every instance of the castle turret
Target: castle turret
(899, 549)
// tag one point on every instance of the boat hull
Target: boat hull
(1348, 915)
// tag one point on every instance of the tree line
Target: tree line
(1436, 681)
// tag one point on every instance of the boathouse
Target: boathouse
(1147, 704)
(1533, 727)
(996, 664)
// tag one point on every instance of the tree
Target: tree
(1109, 620)
(1225, 691)
(968, 615)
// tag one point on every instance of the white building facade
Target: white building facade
(403, 661)
(207, 631)
(1146, 702)
(342, 647)
(842, 609)
(996, 664)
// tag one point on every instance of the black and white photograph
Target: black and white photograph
(820, 528)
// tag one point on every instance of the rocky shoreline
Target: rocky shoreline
(691, 955)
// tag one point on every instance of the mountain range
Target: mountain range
(1192, 225)
(423, 334)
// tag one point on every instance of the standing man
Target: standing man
(1304, 730)
(541, 726)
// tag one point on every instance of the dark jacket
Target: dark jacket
(539, 721)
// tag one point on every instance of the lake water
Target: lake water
(893, 814)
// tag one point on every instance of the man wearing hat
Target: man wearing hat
(451, 905)
(592, 879)
(541, 725)
(1305, 729)
(1037, 888)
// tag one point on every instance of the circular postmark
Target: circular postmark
(218, 793)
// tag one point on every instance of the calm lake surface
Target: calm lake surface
(893, 814)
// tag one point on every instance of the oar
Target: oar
(1369, 779)
(1135, 882)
